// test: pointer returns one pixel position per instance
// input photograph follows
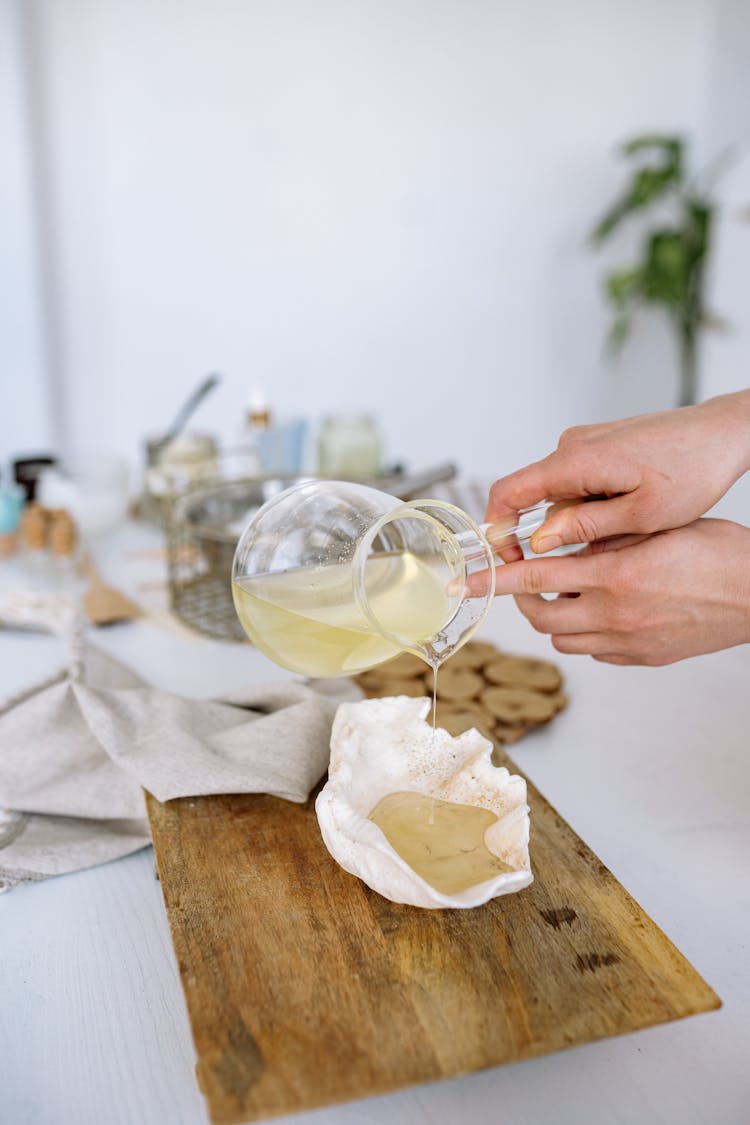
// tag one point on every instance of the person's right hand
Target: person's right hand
(653, 472)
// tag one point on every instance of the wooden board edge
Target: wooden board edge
(248, 1116)
(712, 1000)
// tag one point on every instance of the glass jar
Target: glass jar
(349, 445)
(331, 577)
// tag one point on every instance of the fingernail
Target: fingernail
(546, 543)
(498, 532)
(456, 587)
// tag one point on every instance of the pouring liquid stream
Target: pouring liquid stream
(435, 664)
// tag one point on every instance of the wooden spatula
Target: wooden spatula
(102, 604)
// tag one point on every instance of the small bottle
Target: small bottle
(33, 529)
(257, 422)
(63, 540)
(11, 504)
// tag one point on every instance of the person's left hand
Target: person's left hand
(641, 600)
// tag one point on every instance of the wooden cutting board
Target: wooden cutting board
(304, 988)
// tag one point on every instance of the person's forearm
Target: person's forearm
(733, 412)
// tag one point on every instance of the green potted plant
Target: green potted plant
(672, 267)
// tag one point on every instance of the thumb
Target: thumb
(585, 522)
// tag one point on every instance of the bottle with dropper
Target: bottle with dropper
(256, 423)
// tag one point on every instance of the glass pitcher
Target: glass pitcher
(331, 578)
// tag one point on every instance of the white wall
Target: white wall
(25, 406)
(376, 205)
(726, 354)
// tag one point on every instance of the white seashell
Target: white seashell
(384, 746)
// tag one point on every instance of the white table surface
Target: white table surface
(650, 766)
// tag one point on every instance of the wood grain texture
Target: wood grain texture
(304, 988)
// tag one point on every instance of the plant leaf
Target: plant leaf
(667, 270)
(623, 286)
(647, 184)
(699, 217)
(672, 147)
(618, 333)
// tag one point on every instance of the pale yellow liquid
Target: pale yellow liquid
(440, 840)
(308, 620)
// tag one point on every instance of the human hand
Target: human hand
(652, 472)
(642, 600)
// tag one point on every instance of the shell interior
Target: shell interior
(381, 747)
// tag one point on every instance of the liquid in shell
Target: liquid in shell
(442, 841)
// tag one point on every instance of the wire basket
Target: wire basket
(203, 528)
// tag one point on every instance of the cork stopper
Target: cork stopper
(258, 412)
(34, 527)
(8, 543)
(259, 418)
(62, 533)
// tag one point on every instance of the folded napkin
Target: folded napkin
(77, 751)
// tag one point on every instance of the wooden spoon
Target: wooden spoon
(104, 605)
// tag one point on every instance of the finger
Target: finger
(560, 615)
(588, 522)
(503, 542)
(529, 606)
(562, 475)
(518, 490)
(547, 576)
(584, 644)
(615, 658)
(513, 552)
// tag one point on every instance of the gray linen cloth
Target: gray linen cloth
(77, 751)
